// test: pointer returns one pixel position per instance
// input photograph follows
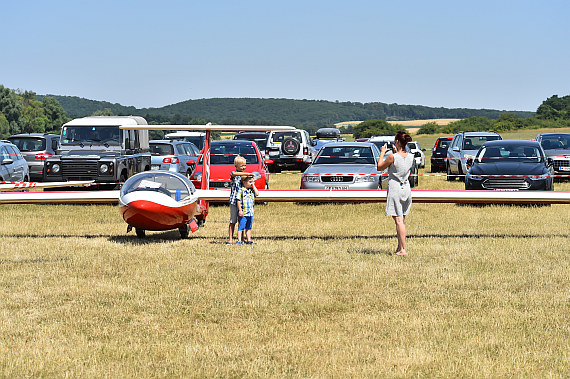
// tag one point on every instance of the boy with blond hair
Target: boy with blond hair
(235, 184)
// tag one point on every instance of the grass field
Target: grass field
(484, 292)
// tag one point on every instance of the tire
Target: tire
(450, 177)
(140, 233)
(183, 231)
(290, 146)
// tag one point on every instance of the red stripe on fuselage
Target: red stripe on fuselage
(149, 215)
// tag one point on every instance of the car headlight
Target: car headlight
(55, 168)
(475, 177)
(539, 177)
(103, 168)
(364, 178)
(198, 176)
(310, 178)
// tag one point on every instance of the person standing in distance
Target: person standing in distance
(399, 196)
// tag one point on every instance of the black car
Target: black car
(260, 138)
(439, 153)
(36, 148)
(522, 162)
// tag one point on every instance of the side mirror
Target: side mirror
(423, 149)
(191, 162)
(469, 162)
(549, 161)
(313, 143)
(8, 161)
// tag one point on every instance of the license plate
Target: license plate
(336, 188)
(154, 167)
(564, 168)
(506, 189)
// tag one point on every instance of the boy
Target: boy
(235, 182)
(245, 204)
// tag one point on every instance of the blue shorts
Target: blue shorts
(245, 223)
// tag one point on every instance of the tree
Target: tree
(371, 128)
(54, 113)
(429, 128)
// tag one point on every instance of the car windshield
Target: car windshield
(475, 142)
(260, 141)
(110, 135)
(280, 136)
(509, 153)
(225, 153)
(29, 143)
(556, 142)
(171, 184)
(345, 155)
(379, 144)
(161, 149)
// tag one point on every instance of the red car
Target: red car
(222, 155)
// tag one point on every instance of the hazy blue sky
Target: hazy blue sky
(477, 54)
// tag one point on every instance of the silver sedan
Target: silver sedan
(344, 166)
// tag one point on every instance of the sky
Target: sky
(506, 55)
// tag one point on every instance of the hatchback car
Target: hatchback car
(222, 155)
(557, 147)
(439, 154)
(510, 165)
(173, 155)
(344, 166)
(464, 146)
(13, 166)
(36, 148)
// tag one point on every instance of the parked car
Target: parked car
(197, 138)
(557, 147)
(379, 142)
(463, 146)
(510, 157)
(291, 149)
(260, 138)
(173, 155)
(222, 155)
(439, 154)
(344, 166)
(418, 152)
(13, 166)
(36, 147)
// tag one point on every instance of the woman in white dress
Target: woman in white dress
(399, 196)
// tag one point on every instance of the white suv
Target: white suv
(418, 152)
(291, 149)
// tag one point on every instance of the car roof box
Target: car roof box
(325, 133)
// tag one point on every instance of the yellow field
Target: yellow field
(410, 123)
(484, 292)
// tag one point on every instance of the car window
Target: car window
(475, 142)
(14, 153)
(510, 153)
(443, 144)
(161, 149)
(180, 149)
(558, 141)
(226, 153)
(29, 144)
(345, 155)
(4, 153)
(280, 136)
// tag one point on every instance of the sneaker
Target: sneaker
(250, 242)
(239, 243)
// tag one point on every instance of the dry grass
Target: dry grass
(484, 292)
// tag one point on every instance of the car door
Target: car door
(454, 154)
(20, 165)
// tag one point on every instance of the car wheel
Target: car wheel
(450, 177)
(140, 232)
(290, 146)
(183, 231)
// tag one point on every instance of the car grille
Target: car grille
(336, 179)
(562, 163)
(84, 170)
(505, 183)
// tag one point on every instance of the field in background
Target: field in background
(483, 292)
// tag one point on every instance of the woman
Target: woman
(399, 197)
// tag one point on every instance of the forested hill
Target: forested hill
(302, 113)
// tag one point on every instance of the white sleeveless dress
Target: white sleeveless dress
(399, 197)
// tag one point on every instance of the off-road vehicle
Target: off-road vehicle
(291, 149)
